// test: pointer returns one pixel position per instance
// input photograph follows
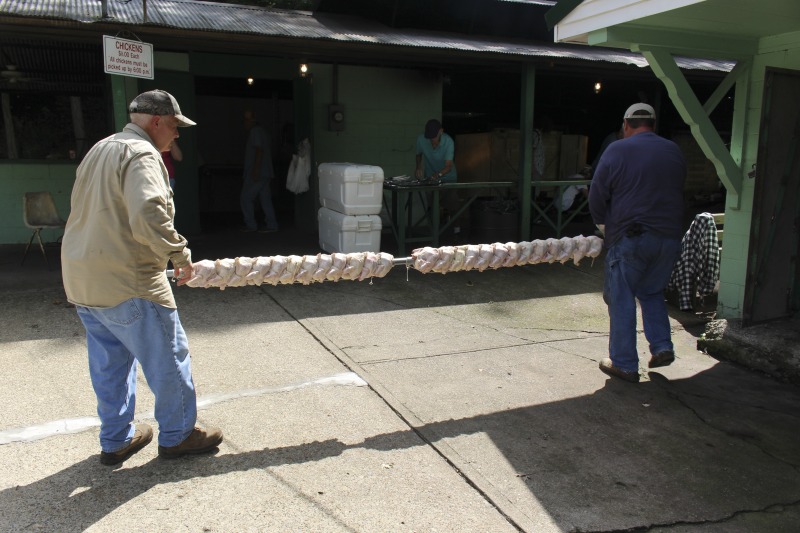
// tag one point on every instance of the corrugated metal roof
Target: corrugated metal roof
(229, 18)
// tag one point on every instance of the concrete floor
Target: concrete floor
(465, 402)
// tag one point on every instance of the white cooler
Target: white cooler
(350, 188)
(348, 233)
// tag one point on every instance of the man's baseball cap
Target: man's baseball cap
(158, 102)
(650, 112)
(432, 128)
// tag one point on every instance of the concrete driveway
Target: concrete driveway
(464, 402)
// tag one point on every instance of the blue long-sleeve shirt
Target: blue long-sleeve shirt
(639, 180)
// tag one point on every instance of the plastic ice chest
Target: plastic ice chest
(351, 188)
(348, 233)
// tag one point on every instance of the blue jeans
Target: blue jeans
(638, 268)
(117, 337)
(257, 190)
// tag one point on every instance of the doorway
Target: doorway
(221, 103)
(773, 272)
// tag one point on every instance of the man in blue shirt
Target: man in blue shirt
(435, 150)
(637, 194)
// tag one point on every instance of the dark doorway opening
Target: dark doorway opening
(773, 272)
(221, 104)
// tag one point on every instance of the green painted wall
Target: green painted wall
(780, 51)
(19, 178)
(385, 110)
(58, 177)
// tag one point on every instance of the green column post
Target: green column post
(527, 89)
(123, 90)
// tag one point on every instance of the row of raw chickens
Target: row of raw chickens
(285, 270)
(307, 269)
(482, 256)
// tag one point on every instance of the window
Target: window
(51, 99)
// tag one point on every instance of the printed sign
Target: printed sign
(128, 58)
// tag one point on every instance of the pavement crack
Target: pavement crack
(445, 354)
(742, 437)
(420, 434)
(769, 509)
(468, 352)
(751, 406)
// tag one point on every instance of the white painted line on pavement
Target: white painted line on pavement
(345, 378)
(76, 425)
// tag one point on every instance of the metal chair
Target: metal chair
(39, 212)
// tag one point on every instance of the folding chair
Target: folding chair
(39, 212)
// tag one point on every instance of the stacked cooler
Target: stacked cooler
(351, 196)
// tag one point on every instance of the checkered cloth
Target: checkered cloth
(698, 265)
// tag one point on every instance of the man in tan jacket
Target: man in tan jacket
(119, 237)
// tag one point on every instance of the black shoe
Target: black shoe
(141, 438)
(607, 367)
(200, 440)
(664, 358)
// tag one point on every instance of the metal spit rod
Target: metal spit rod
(397, 261)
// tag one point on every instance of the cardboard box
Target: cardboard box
(552, 154)
(504, 155)
(490, 156)
(494, 156)
(573, 155)
(473, 157)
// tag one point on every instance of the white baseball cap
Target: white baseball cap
(650, 112)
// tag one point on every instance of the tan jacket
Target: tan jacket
(120, 232)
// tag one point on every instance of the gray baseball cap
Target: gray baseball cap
(158, 102)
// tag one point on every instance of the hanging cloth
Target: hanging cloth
(300, 168)
(697, 268)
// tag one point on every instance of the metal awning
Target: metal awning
(300, 27)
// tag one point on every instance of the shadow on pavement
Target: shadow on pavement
(690, 450)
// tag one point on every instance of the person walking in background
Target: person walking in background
(637, 194)
(257, 176)
(171, 156)
(119, 236)
(435, 154)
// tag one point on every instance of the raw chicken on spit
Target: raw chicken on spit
(483, 256)
(307, 269)
(284, 270)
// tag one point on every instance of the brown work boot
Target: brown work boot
(142, 436)
(607, 367)
(200, 440)
(664, 358)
